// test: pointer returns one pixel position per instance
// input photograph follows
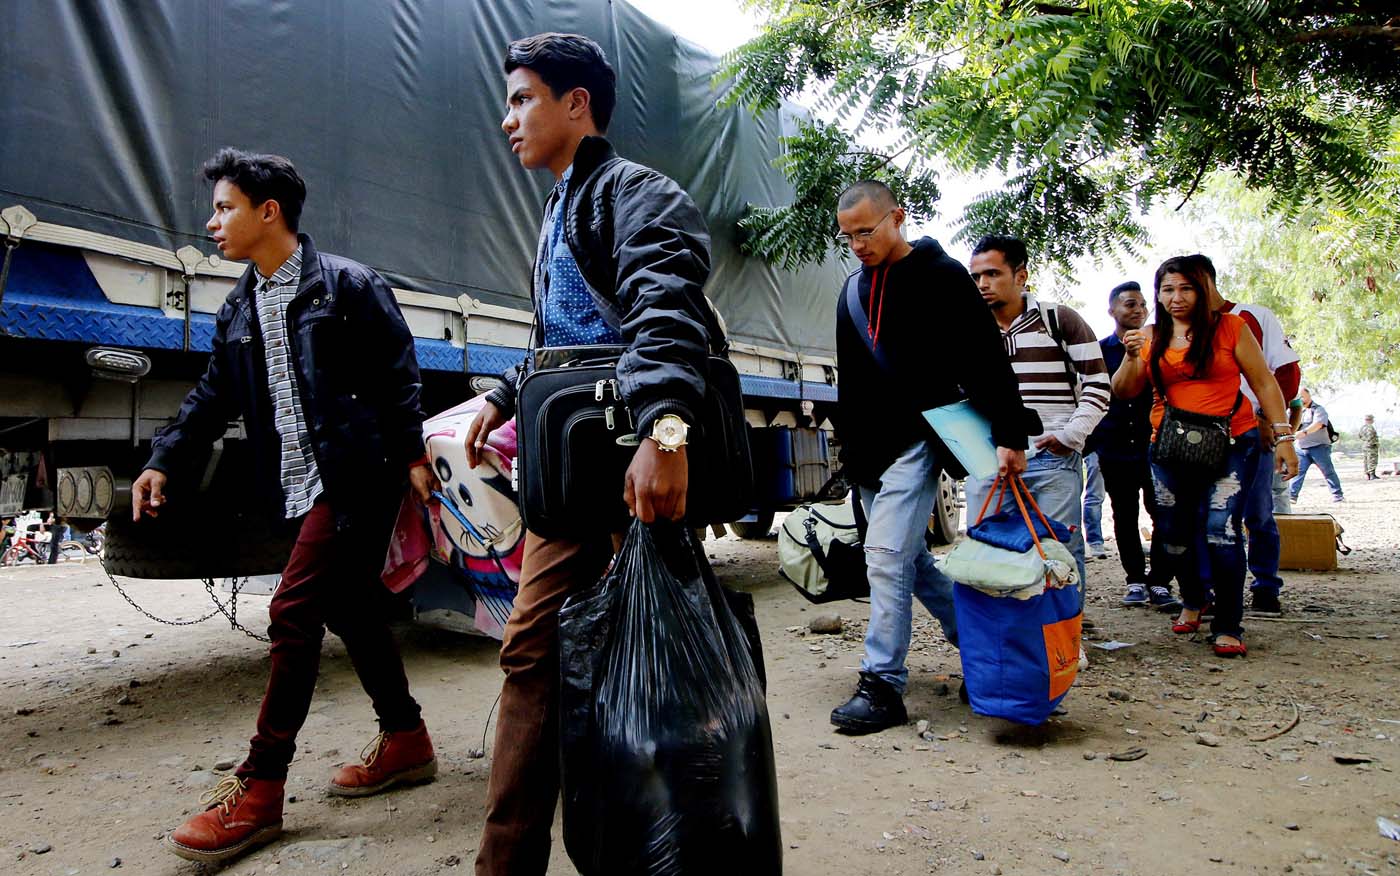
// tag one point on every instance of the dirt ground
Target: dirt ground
(111, 725)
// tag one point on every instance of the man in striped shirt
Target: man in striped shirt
(1060, 369)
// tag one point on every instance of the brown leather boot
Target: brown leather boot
(242, 814)
(390, 759)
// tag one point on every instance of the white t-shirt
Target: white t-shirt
(1277, 352)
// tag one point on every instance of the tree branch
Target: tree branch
(1351, 32)
(1317, 8)
(855, 13)
(886, 158)
(1200, 174)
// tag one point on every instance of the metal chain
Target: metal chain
(229, 611)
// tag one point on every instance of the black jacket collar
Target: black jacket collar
(591, 154)
(311, 275)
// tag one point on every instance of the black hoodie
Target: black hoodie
(943, 345)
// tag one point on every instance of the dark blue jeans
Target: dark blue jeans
(1320, 456)
(1196, 513)
(1263, 529)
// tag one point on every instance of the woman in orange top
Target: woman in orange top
(1194, 361)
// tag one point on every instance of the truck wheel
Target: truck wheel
(760, 528)
(231, 548)
(943, 522)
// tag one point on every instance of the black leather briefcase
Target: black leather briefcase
(577, 438)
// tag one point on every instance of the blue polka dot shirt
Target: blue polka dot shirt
(570, 316)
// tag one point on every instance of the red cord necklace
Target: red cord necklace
(877, 306)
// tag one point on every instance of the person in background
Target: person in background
(1370, 447)
(1315, 448)
(1093, 508)
(1120, 443)
(1193, 360)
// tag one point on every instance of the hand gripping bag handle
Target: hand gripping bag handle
(1022, 494)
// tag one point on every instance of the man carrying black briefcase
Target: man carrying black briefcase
(623, 256)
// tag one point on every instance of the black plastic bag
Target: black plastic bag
(666, 746)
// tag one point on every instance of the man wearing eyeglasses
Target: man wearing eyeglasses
(912, 334)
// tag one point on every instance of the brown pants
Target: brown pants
(524, 786)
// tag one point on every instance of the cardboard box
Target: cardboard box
(1308, 541)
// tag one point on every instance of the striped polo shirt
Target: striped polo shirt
(301, 480)
(1069, 408)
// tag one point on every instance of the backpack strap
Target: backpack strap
(1050, 315)
(862, 322)
(815, 546)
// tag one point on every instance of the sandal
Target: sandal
(1231, 650)
(1186, 627)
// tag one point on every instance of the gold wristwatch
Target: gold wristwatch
(669, 433)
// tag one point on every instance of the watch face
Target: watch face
(670, 432)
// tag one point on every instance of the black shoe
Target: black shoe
(962, 694)
(875, 707)
(1264, 602)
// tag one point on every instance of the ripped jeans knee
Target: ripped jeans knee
(1223, 510)
(1165, 497)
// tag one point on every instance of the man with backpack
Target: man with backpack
(911, 335)
(1060, 370)
(1315, 437)
(622, 259)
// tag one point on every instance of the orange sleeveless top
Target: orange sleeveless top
(1216, 391)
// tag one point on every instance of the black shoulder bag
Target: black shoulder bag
(1187, 438)
(577, 438)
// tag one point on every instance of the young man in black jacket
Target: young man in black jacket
(623, 257)
(927, 340)
(312, 351)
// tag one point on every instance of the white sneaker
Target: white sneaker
(1083, 659)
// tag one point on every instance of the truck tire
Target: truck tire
(232, 548)
(943, 522)
(759, 528)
